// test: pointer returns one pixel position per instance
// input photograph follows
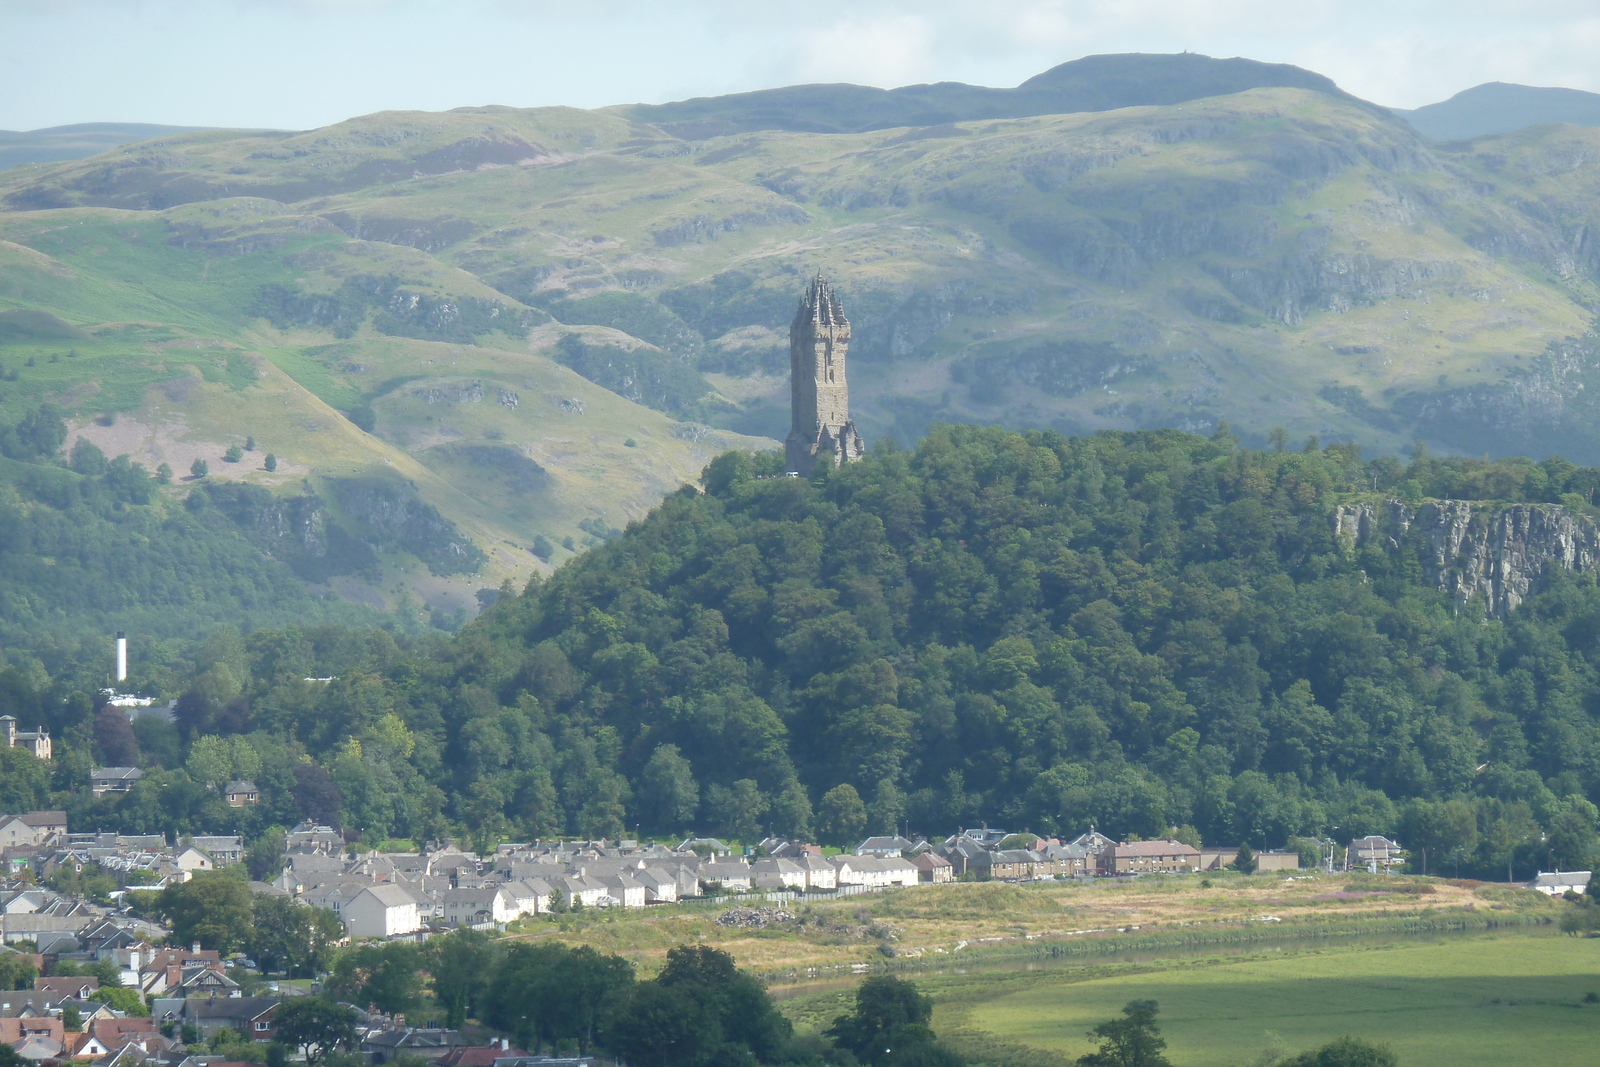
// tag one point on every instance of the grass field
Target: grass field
(928, 928)
(1482, 1000)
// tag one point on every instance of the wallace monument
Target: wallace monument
(819, 399)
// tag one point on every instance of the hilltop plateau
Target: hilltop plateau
(536, 321)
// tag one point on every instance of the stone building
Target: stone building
(38, 741)
(819, 399)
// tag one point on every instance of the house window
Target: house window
(262, 1027)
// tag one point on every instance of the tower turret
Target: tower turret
(819, 398)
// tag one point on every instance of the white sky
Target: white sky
(303, 63)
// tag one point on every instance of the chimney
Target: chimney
(195, 948)
(122, 656)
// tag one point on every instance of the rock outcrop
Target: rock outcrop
(1502, 554)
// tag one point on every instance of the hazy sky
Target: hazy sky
(303, 63)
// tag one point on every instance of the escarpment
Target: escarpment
(1503, 554)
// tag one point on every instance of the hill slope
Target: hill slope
(1131, 630)
(490, 304)
(1500, 107)
(1094, 83)
(55, 143)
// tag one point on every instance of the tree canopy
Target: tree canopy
(1141, 631)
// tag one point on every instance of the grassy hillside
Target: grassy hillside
(55, 143)
(491, 303)
(1483, 1000)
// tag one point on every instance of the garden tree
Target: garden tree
(388, 976)
(265, 856)
(10, 1057)
(210, 760)
(739, 811)
(791, 811)
(459, 964)
(888, 807)
(1345, 1052)
(841, 817)
(289, 936)
(24, 780)
(1245, 861)
(701, 1009)
(1581, 918)
(16, 972)
(1511, 828)
(652, 1025)
(114, 740)
(71, 1017)
(547, 993)
(1131, 1041)
(315, 1026)
(127, 1001)
(669, 796)
(886, 1007)
(1439, 831)
(107, 971)
(1571, 834)
(213, 908)
(316, 797)
(734, 1001)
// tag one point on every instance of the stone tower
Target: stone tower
(819, 400)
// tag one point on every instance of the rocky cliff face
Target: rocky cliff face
(1502, 554)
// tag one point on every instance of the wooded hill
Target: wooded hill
(544, 319)
(1140, 631)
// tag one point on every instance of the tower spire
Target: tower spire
(819, 398)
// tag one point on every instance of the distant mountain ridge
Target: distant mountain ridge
(1502, 107)
(1093, 83)
(56, 144)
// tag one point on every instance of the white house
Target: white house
(192, 859)
(466, 907)
(380, 911)
(34, 828)
(820, 874)
(578, 887)
(778, 874)
(531, 895)
(1556, 883)
(103, 780)
(730, 874)
(223, 849)
(625, 889)
(874, 871)
(660, 887)
(893, 845)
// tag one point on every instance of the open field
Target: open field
(1483, 1000)
(935, 925)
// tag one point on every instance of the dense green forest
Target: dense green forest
(1140, 631)
(90, 545)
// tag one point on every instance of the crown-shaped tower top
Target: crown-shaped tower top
(821, 305)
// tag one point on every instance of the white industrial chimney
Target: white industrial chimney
(122, 657)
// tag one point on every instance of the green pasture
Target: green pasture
(1449, 1003)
